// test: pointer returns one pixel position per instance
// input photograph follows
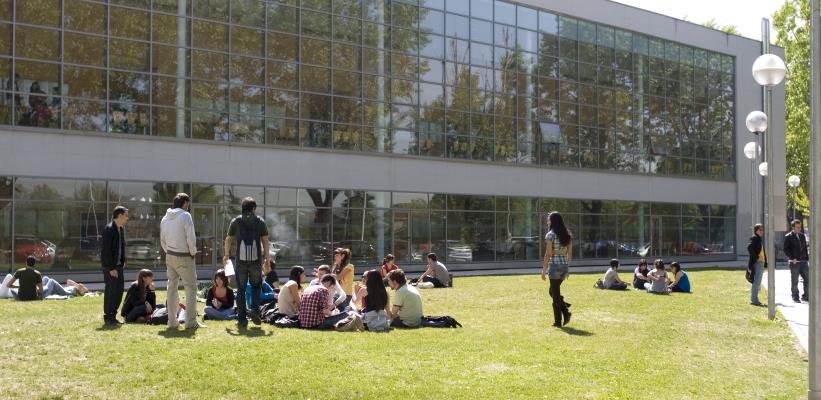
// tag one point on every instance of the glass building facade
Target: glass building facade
(59, 221)
(487, 81)
(481, 80)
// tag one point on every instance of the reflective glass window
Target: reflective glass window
(84, 49)
(129, 23)
(37, 43)
(84, 16)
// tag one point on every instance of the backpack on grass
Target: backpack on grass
(444, 321)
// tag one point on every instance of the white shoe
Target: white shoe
(196, 325)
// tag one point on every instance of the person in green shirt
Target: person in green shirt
(406, 309)
(30, 281)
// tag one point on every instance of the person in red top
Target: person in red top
(388, 265)
(219, 299)
(315, 308)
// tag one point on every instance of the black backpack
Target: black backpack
(444, 321)
(249, 247)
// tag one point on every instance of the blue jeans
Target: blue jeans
(248, 271)
(329, 322)
(220, 315)
(758, 274)
(50, 287)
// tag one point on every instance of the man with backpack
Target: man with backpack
(247, 239)
(180, 245)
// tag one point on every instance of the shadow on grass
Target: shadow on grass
(250, 332)
(576, 332)
(176, 333)
(108, 327)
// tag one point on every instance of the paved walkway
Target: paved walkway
(796, 314)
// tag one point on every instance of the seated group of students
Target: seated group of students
(28, 284)
(320, 305)
(653, 280)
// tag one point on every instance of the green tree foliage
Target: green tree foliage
(791, 23)
(731, 29)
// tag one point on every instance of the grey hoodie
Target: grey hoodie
(177, 233)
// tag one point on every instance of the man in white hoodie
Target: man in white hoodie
(180, 244)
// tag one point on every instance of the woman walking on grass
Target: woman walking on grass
(558, 254)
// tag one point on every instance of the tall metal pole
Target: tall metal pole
(769, 180)
(814, 392)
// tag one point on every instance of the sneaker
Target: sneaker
(196, 325)
(255, 318)
(242, 324)
(173, 325)
(756, 304)
(796, 299)
(805, 298)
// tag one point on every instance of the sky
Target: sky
(744, 14)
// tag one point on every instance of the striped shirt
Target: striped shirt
(559, 251)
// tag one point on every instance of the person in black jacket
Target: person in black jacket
(140, 301)
(795, 248)
(757, 262)
(112, 258)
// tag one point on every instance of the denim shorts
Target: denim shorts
(557, 271)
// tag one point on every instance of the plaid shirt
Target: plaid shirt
(559, 251)
(314, 300)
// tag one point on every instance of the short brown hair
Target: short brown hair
(756, 227)
(249, 205)
(328, 278)
(119, 210)
(180, 199)
(397, 276)
(795, 222)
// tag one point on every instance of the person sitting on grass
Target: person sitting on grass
(30, 285)
(370, 293)
(338, 295)
(611, 277)
(436, 273)
(219, 299)
(140, 300)
(266, 294)
(640, 274)
(269, 272)
(388, 265)
(680, 282)
(288, 301)
(658, 279)
(406, 310)
(315, 308)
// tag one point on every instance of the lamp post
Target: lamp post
(794, 181)
(769, 70)
(751, 151)
(814, 390)
(757, 125)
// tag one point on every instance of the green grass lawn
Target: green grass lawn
(619, 345)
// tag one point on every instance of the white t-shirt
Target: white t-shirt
(610, 278)
(659, 285)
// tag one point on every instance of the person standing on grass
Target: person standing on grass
(680, 282)
(611, 277)
(795, 248)
(140, 301)
(558, 255)
(406, 310)
(247, 238)
(757, 262)
(179, 242)
(112, 258)
(344, 273)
